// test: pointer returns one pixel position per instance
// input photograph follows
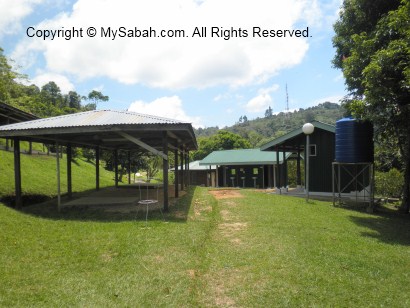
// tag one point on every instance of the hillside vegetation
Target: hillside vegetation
(261, 130)
(39, 175)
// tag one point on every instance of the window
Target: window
(255, 171)
(313, 150)
(233, 171)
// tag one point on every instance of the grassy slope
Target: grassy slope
(260, 250)
(39, 174)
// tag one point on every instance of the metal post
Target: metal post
(339, 183)
(307, 129)
(307, 153)
(165, 168)
(69, 178)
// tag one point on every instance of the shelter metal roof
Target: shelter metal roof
(242, 157)
(101, 127)
(293, 134)
(91, 118)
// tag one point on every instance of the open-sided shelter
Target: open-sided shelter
(322, 154)
(107, 129)
(246, 167)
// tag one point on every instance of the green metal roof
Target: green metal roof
(296, 132)
(242, 157)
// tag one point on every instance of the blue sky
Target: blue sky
(208, 81)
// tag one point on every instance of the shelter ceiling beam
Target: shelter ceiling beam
(142, 144)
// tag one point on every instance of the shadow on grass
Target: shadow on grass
(386, 225)
(46, 207)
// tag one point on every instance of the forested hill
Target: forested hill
(261, 130)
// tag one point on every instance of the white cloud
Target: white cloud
(262, 101)
(64, 84)
(168, 107)
(259, 103)
(12, 12)
(175, 62)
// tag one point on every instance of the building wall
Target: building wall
(320, 178)
(259, 176)
(200, 177)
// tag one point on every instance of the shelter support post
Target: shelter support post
(97, 168)
(129, 167)
(58, 178)
(116, 167)
(187, 167)
(165, 168)
(69, 177)
(17, 173)
(186, 170)
(182, 170)
(176, 174)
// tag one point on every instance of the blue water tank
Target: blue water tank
(354, 141)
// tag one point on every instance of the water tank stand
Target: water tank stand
(356, 176)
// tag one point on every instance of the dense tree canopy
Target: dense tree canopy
(373, 50)
(223, 140)
(45, 102)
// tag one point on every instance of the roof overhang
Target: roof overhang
(106, 129)
(295, 139)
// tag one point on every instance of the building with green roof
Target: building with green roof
(247, 167)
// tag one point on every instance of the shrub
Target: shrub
(389, 184)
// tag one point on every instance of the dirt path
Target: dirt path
(228, 232)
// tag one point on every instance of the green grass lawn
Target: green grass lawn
(249, 250)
